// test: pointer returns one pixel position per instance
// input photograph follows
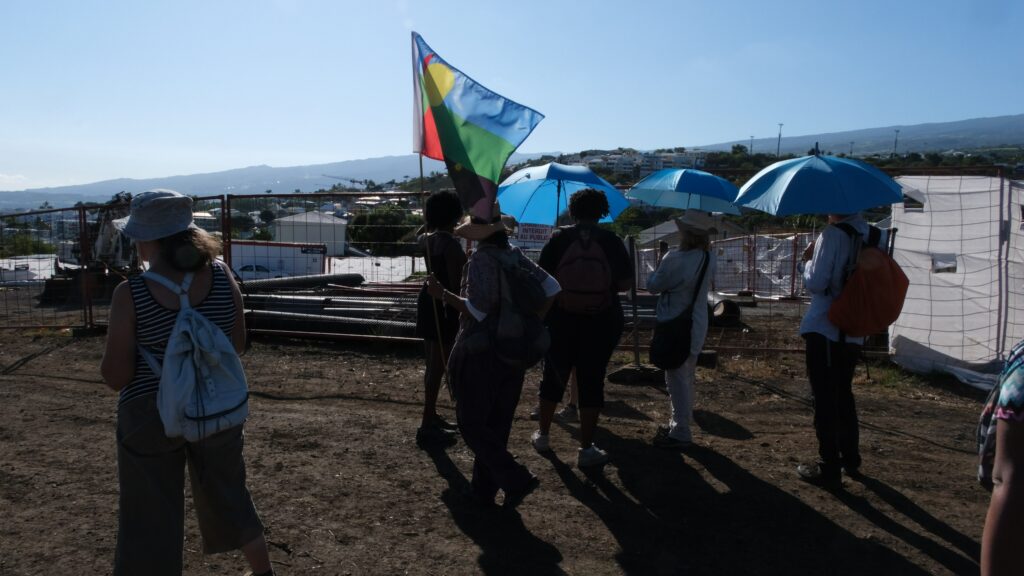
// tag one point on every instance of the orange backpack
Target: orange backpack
(873, 290)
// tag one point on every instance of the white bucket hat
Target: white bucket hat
(157, 214)
(696, 222)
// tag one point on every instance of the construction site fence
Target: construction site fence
(349, 265)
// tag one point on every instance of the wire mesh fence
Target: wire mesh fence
(36, 247)
(349, 265)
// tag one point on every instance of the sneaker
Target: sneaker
(818, 474)
(535, 413)
(669, 443)
(540, 442)
(568, 414)
(592, 456)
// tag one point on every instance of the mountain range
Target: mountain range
(941, 137)
(932, 137)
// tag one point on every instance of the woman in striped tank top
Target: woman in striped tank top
(150, 465)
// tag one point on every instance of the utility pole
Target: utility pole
(851, 147)
(750, 150)
(895, 141)
(778, 145)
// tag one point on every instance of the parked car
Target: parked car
(257, 272)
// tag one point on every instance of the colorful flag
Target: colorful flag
(470, 128)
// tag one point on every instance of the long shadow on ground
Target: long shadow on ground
(506, 545)
(954, 562)
(672, 518)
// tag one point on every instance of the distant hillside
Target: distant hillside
(251, 180)
(939, 137)
(934, 137)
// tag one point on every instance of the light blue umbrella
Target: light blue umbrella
(539, 195)
(818, 185)
(686, 188)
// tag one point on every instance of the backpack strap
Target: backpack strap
(857, 240)
(700, 279)
(181, 290)
(874, 236)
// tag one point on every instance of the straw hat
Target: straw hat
(473, 229)
(696, 222)
(157, 214)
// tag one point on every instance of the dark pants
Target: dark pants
(487, 393)
(151, 474)
(585, 343)
(830, 368)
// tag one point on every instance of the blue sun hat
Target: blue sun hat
(157, 214)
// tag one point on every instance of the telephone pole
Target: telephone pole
(778, 145)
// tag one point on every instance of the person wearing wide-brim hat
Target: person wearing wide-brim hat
(487, 389)
(676, 284)
(151, 465)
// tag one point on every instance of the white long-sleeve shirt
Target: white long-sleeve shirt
(674, 281)
(823, 277)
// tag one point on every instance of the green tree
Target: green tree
(267, 215)
(384, 231)
(23, 244)
(241, 223)
(632, 220)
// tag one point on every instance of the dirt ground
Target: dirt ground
(343, 488)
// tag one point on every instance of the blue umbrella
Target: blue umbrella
(818, 185)
(686, 188)
(539, 195)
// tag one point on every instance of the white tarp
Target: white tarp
(34, 268)
(962, 251)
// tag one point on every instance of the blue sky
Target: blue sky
(93, 90)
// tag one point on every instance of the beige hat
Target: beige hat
(477, 231)
(696, 222)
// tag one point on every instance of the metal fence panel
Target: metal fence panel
(40, 284)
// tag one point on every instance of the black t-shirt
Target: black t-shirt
(614, 251)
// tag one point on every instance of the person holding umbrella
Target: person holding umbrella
(683, 277)
(592, 267)
(831, 356)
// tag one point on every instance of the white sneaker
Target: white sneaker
(535, 413)
(568, 414)
(540, 442)
(592, 456)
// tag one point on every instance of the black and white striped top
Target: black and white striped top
(153, 325)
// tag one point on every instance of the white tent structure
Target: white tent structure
(961, 243)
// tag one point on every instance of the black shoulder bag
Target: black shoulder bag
(670, 346)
